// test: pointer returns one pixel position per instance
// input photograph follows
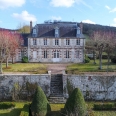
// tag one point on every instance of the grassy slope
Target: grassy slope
(90, 67)
(26, 67)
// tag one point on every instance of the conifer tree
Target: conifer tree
(40, 105)
(75, 104)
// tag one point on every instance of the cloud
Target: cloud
(113, 10)
(56, 18)
(11, 3)
(114, 23)
(107, 7)
(68, 3)
(62, 3)
(25, 16)
(88, 21)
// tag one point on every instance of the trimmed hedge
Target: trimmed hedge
(75, 104)
(40, 105)
(25, 59)
(25, 110)
(6, 105)
(113, 59)
(106, 106)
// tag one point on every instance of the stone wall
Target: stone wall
(94, 87)
(15, 85)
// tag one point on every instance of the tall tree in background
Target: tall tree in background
(23, 28)
(15, 42)
(9, 42)
(110, 46)
(3, 46)
(101, 42)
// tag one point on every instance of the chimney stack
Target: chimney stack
(30, 26)
(81, 27)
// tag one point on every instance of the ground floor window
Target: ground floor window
(67, 54)
(45, 53)
(77, 53)
(56, 54)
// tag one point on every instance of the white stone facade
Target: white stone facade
(61, 52)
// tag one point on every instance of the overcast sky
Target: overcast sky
(18, 12)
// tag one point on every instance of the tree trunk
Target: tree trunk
(6, 62)
(108, 62)
(1, 67)
(100, 61)
(12, 60)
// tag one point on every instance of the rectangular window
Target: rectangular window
(78, 41)
(45, 53)
(67, 53)
(56, 42)
(67, 41)
(34, 42)
(45, 41)
(77, 54)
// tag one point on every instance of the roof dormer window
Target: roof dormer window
(78, 31)
(56, 32)
(34, 32)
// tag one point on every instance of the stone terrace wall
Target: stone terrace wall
(17, 83)
(93, 87)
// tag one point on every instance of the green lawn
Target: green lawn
(35, 68)
(13, 112)
(55, 110)
(90, 67)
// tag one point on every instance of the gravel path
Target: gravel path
(56, 68)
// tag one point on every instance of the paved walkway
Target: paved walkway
(56, 68)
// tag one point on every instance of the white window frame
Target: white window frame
(78, 41)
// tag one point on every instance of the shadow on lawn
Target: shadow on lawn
(55, 113)
(14, 112)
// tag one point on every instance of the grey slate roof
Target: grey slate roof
(25, 38)
(66, 29)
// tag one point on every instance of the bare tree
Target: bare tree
(101, 42)
(9, 42)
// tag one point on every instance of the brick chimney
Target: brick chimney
(30, 26)
(81, 27)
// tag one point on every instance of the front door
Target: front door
(34, 54)
(56, 56)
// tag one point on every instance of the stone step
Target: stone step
(57, 99)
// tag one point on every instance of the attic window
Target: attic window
(34, 31)
(56, 32)
(78, 30)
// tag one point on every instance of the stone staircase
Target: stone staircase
(56, 89)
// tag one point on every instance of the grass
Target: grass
(90, 67)
(22, 110)
(13, 112)
(34, 68)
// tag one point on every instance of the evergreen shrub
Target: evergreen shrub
(87, 60)
(75, 104)
(40, 105)
(106, 106)
(25, 59)
(113, 59)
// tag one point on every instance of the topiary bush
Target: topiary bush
(25, 59)
(75, 104)
(40, 105)
(87, 60)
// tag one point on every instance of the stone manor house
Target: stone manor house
(53, 42)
